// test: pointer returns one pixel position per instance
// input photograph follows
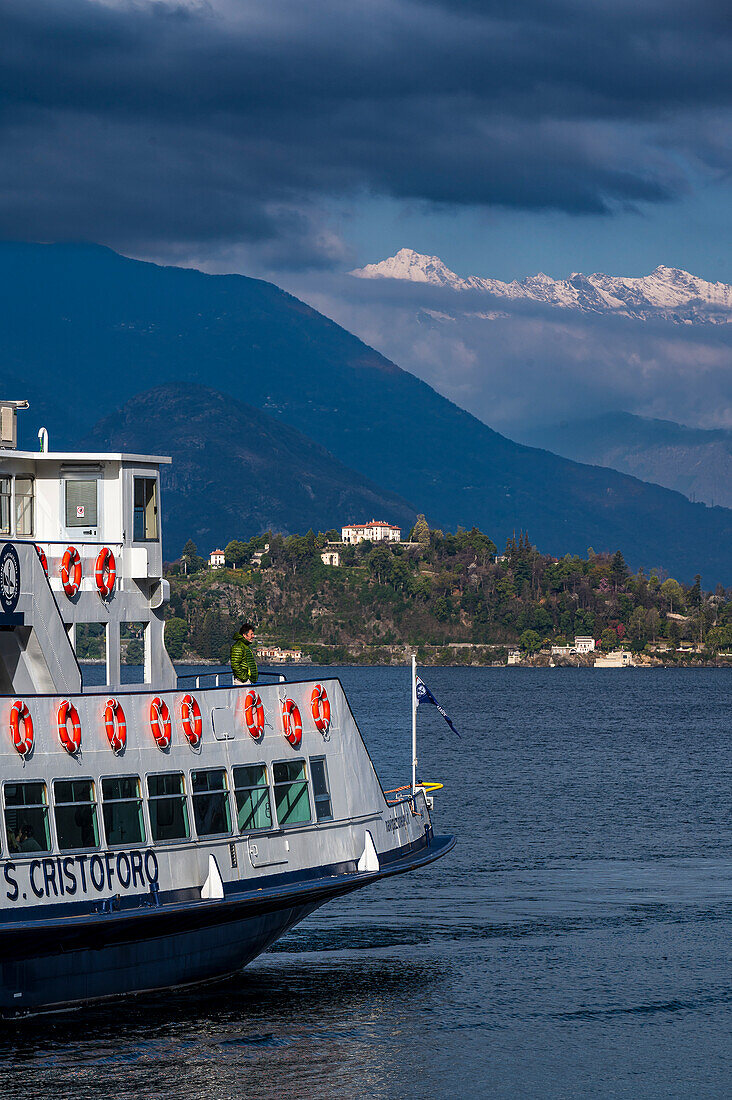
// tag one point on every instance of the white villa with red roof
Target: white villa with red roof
(374, 530)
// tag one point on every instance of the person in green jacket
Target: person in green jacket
(243, 664)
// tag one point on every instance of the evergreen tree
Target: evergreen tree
(421, 533)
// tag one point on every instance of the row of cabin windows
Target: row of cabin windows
(16, 506)
(80, 506)
(75, 807)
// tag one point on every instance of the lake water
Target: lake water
(575, 943)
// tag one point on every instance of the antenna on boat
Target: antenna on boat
(414, 723)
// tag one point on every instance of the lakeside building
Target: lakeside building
(617, 658)
(274, 653)
(584, 645)
(216, 559)
(374, 531)
(514, 657)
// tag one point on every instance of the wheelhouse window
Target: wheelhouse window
(321, 788)
(75, 811)
(26, 818)
(81, 502)
(251, 791)
(5, 497)
(122, 810)
(168, 807)
(292, 803)
(211, 810)
(24, 505)
(145, 525)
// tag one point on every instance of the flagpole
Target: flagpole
(414, 723)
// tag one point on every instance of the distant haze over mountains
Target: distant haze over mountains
(667, 293)
(695, 462)
(83, 330)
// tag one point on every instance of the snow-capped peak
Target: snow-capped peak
(668, 292)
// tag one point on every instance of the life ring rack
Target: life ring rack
(71, 582)
(105, 572)
(68, 716)
(292, 722)
(21, 728)
(254, 714)
(160, 723)
(190, 716)
(115, 725)
(320, 708)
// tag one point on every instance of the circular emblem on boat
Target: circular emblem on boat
(9, 579)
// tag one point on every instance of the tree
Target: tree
(135, 652)
(379, 563)
(530, 642)
(618, 570)
(176, 634)
(237, 551)
(608, 639)
(190, 560)
(421, 533)
(695, 592)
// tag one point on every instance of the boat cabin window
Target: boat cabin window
(81, 502)
(24, 505)
(251, 791)
(5, 489)
(321, 789)
(75, 811)
(292, 803)
(122, 810)
(168, 807)
(26, 818)
(211, 810)
(145, 526)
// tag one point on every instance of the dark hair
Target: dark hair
(245, 627)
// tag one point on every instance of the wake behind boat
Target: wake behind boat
(164, 833)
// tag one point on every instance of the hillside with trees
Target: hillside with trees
(449, 596)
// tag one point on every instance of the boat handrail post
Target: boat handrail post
(414, 724)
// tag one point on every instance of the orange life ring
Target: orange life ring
(115, 725)
(105, 572)
(22, 738)
(44, 560)
(190, 716)
(292, 723)
(320, 706)
(71, 558)
(160, 723)
(254, 714)
(68, 714)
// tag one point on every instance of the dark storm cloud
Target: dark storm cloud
(154, 125)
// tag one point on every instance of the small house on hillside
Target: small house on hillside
(330, 557)
(216, 559)
(374, 531)
(584, 645)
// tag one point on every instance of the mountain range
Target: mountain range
(668, 293)
(83, 330)
(237, 471)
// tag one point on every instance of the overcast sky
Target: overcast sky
(273, 135)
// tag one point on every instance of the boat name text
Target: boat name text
(61, 876)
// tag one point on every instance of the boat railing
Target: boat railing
(224, 679)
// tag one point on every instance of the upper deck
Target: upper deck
(94, 520)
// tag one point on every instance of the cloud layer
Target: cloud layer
(523, 363)
(176, 128)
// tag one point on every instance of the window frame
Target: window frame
(117, 801)
(49, 820)
(266, 786)
(322, 759)
(303, 764)
(153, 798)
(17, 498)
(95, 811)
(6, 499)
(77, 525)
(153, 504)
(225, 791)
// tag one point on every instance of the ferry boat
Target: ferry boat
(162, 833)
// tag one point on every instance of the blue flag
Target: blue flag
(424, 695)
